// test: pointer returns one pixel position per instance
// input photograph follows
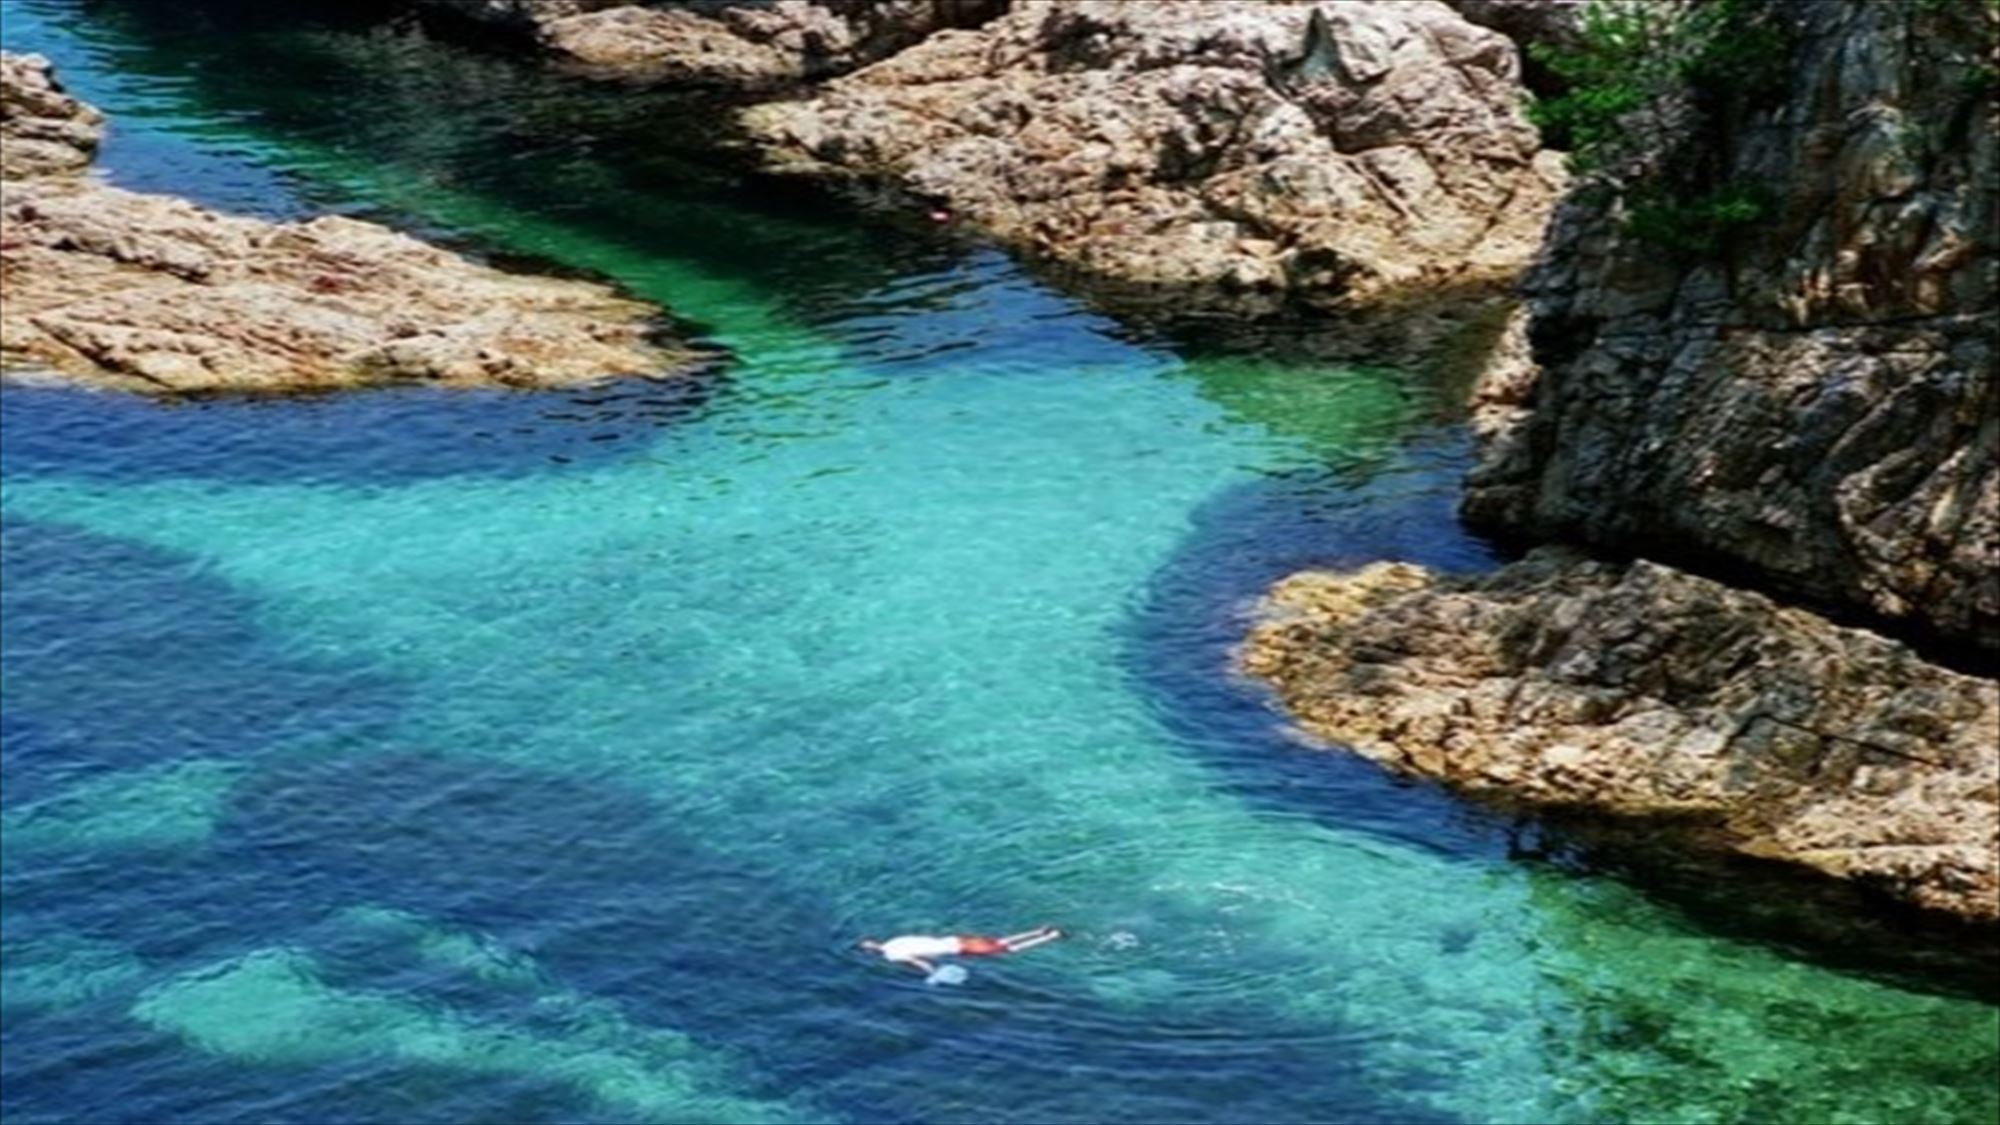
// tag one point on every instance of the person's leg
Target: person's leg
(1031, 940)
(1029, 935)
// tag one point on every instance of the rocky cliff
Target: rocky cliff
(1807, 400)
(150, 293)
(1329, 155)
(1759, 345)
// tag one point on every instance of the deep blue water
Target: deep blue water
(423, 756)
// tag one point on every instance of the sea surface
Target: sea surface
(452, 757)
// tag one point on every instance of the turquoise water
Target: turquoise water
(445, 757)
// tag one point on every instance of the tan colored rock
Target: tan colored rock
(1645, 691)
(728, 44)
(1337, 155)
(1815, 405)
(152, 293)
(43, 131)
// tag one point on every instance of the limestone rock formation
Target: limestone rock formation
(1645, 691)
(729, 44)
(151, 293)
(1811, 405)
(43, 131)
(1325, 154)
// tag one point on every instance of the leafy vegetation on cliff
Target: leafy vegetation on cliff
(1638, 66)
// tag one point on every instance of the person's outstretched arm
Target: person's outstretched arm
(921, 965)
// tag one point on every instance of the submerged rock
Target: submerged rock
(1644, 691)
(152, 293)
(730, 44)
(1335, 155)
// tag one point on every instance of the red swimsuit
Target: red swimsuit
(972, 945)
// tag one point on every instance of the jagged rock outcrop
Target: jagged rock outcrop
(1333, 155)
(1645, 691)
(729, 44)
(151, 293)
(43, 131)
(1812, 404)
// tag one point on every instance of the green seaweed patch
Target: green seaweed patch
(1332, 412)
(1702, 226)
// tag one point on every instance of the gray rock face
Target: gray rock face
(728, 44)
(1644, 691)
(1328, 154)
(1814, 407)
(43, 131)
(154, 294)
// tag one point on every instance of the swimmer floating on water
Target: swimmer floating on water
(918, 950)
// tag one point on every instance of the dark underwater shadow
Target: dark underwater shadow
(1180, 642)
(116, 654)
(373, 436)
(1831, 922)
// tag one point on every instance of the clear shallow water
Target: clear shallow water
(413, 756)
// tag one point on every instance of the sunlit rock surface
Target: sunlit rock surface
(43, 131)
(155, 294)
(1337, 155)
(728, 44)
(1641, 690)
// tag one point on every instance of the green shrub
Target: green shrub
(1634, 52)
(1700, 226)
(1617, 69)
(1722, 57)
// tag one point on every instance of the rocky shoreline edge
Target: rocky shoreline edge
(148, 293)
